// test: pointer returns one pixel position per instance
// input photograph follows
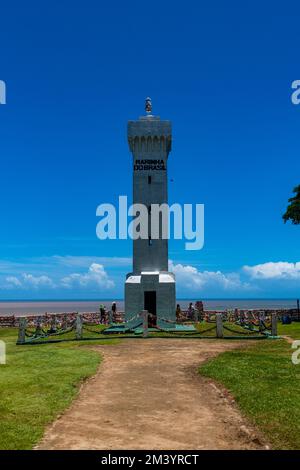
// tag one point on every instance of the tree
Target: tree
(293, 209)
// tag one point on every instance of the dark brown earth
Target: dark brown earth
(147, 394)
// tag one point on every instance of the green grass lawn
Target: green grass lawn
(266, 386)
(37, 383)
(292, 330)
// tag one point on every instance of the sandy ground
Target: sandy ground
(147, 394)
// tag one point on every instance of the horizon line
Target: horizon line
(122, 299)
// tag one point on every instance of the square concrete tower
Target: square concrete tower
(150, 286)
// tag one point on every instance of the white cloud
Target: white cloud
(58, 272)
(258, 278)
(12, 281)
(37, 281)
(192, 279)
(95, 277)
(278, 270)
(89, 274)
(27, 281)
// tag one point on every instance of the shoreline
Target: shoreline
(23, 308)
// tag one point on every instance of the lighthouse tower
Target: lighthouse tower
(150, 286)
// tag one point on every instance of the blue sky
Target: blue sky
(76, 72)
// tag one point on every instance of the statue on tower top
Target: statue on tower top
(148, 105)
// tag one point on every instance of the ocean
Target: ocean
(40, 307)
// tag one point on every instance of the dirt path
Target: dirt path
(147, 394)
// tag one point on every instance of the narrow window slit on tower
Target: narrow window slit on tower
(149, 179)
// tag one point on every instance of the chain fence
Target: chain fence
(230, 324)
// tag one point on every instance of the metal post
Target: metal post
(236, 314)
(196, 315)
(22, 328)
(78, 326)
(219, 322)
(145, 323)
(53, 324)
(38, 330)
(274, 324)
(64, 322)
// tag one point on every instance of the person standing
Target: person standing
(191, 311)
(199, 311)
(102, 314)
(178, 313)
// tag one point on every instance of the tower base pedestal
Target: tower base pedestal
(152, 291)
